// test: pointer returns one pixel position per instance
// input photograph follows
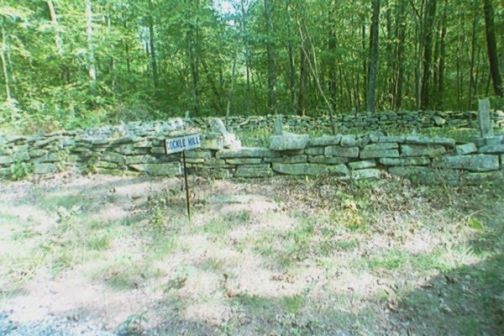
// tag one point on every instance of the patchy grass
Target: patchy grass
(280, 256)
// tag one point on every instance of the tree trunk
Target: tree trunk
(401, 36)
(472, 76)
(54, 21)
(152, 47)
(365, 69)
(194, 70)
(373, 58)
(5, 68)
(290, 52)
(428, 27)
(270, 49)
(442, 58)
(90, 43)
(248, 92)
(303, 76)
(231, 90)
(332, 46)
(492, 47)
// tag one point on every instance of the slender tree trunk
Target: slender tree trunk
(290, 52)
(472, 75)
(442, 58)
(231, 90)
(248, 92)
(303, 76)
(492, 48)
(270, 49)
(152, 47)
(54, 21)
(332, 48)
(373, 58)
(5, 68)
(194, 71)
(401, 36)
(365, 68)
(127, 51)
(90, 43)
(430, 13)
(418, 49)
(390, 55)
(307, 48)
(193, 55)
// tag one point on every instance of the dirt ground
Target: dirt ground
(280, 256)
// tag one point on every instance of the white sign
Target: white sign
(183, 143)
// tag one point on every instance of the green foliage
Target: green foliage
(98, 242)
(20, 170)
(45, 82)
(133, 325)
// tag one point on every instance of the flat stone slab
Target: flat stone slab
(348, 141)
(244, 161)
(492, 149)
(158, 169)
(245, 152)
(362, 165)
(348, 152)
(425, 140)
(136, 159)
(473, 162)
(419, 150)
(381, 146)
(310, 169)
(409, 161)
(44, 168)
(325, 140)
(289, 159)
(286, 142)
(366, 174)
(6, 160)
(260, 170)
(327, 160)
(315, 150)
(464, 149)
(379, 153)
(387, 138)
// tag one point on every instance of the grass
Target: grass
(293, 304)
(218, 226)
(98, 242)
(364, 260)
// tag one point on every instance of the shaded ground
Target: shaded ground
(116, 255)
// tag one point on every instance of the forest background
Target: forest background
(78, 63)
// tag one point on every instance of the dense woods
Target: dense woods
(68, 63)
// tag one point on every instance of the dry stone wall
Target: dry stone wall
(406, 120)
(138, 149)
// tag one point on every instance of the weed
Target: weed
(98, 242)
(20, 170)
(293, 303)
(133, 325)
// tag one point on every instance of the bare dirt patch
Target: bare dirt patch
(279, 257)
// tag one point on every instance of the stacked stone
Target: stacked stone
(405, 120)
(110, 149)
(140, 150)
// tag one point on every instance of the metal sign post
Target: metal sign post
(182, 144)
